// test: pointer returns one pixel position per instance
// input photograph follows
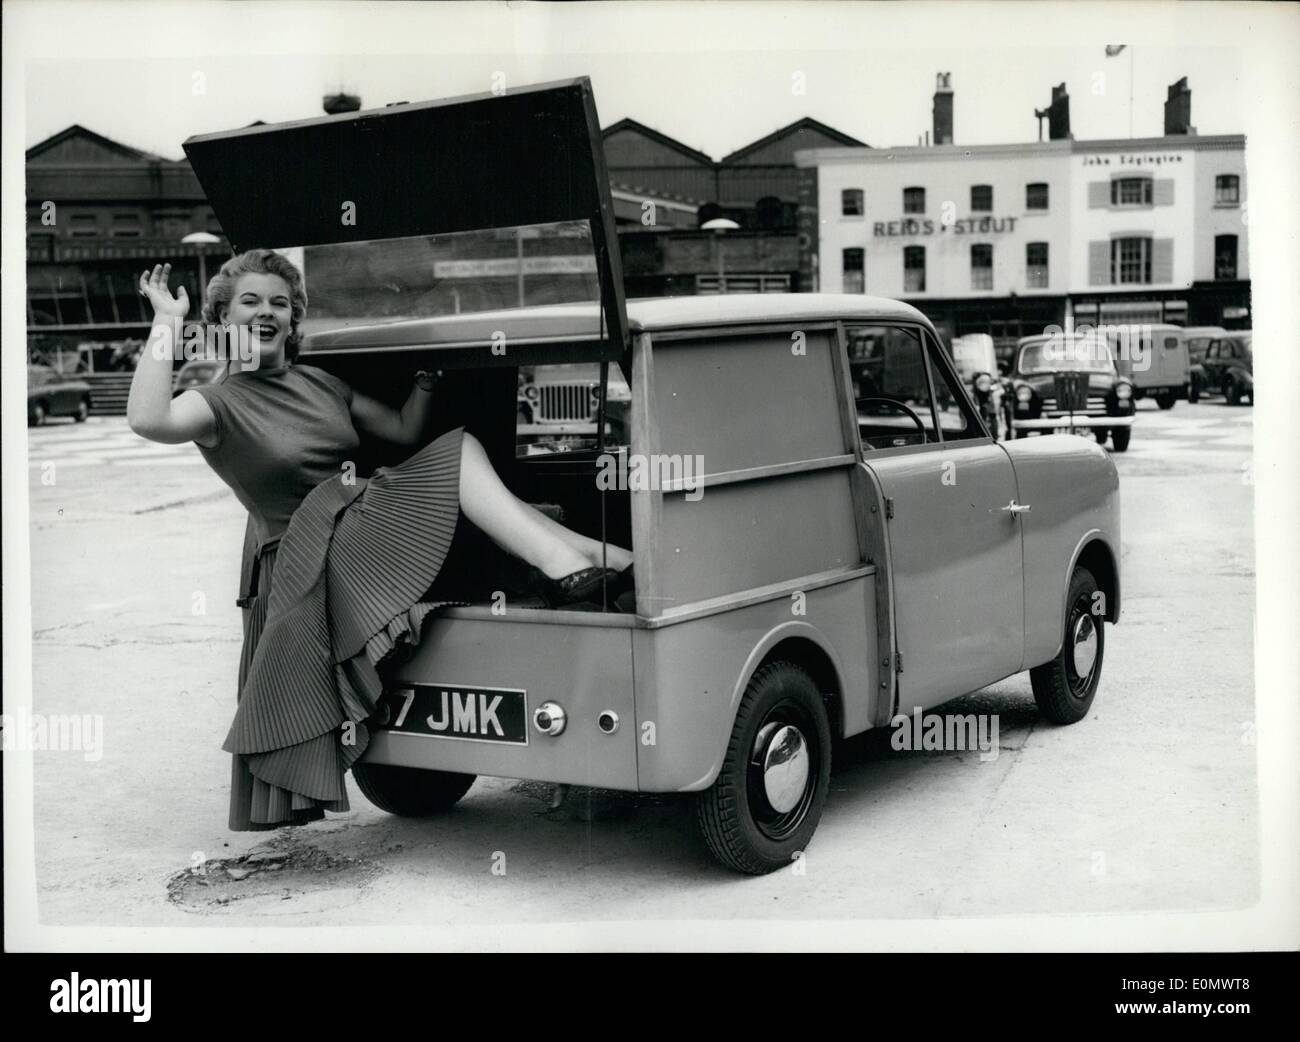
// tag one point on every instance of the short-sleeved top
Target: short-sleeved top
(280, 433)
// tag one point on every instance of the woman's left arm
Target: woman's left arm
(403, 426)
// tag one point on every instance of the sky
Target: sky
(714, 76)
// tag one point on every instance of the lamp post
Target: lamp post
(719, 226)
(201, 240)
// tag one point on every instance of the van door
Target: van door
(954, 539)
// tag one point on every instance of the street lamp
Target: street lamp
(201, 239)
(718, 226)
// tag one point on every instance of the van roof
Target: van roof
(569, 323)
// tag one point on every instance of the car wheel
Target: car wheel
(1194, 392)
(764, 807)
(36, 414)
(408, 791)
(1166, 400)
(1119, 437)
(1100, 434)
(83, 410)
(1231, 391)
(1065, 687)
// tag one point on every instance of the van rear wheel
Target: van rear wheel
(410, 792)
(1166, 400)
(761, 812)
(1065, 687)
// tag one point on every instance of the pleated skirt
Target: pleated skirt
(345, 588)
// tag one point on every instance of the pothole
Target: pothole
(284, 880)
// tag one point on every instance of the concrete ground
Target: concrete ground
(1149, 804)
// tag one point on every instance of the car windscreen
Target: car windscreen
(378, 281)
(1079, 354)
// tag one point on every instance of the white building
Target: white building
(1009, 238)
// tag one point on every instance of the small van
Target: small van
(1155, 359)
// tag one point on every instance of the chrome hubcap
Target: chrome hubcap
(1084, 645)
(785, 765)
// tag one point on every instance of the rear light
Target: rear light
(549, 718)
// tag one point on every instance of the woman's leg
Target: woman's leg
(508, 521)
(615, 556)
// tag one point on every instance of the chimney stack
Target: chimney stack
(1178, 109)
(1058, 115)
(943, 109)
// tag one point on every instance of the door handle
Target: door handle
(1013, 508)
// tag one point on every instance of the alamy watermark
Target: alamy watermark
(206, 341)
(28, 732)
(1086, 343)
(632, 472)
(946, 733)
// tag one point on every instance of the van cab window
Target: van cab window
(891, 385)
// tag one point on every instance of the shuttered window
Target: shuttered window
(1130, 261)
(1131, 191)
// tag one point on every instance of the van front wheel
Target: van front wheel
(410, 792)
(761, 812)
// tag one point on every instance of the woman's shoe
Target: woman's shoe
(582, 585)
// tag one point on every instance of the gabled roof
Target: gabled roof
(654, 135)
(112, 149)
(807, 123)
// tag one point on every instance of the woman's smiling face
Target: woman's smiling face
(263, 304)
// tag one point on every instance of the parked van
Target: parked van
(1155, 359)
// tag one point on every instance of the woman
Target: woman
(358, 556)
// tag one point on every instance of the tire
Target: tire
(1063, 695)
(1119, 437)
(83, 410)
(1100, 434)
(1194, 392)
(1231, 391)
(36, 414)
(410, 792)
(741, 825)
(1166, 400)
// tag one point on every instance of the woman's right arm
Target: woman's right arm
(151, 412)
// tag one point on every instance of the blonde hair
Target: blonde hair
(221, 289)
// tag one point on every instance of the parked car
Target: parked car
(557, 404)
(196, 372)
(1109, 410)
(845, 555)
(1154, 359)
(50, 393)
(1198, 340)
(1229, 366)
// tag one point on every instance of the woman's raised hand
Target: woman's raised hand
(153, 285)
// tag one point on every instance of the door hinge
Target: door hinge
(898, 661)
(889, 507)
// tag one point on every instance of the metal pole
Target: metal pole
(519, 254)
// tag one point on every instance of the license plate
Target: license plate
(474, 714)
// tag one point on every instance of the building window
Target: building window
(855, 275)
(1130, 261)
(851, 202)
(1227, 190)
(913, 200)
(1225, 256)
(1036, 196)
(914, 268)
(84, 226)
(1036, 265)
(981, 266)
(1130, 191)
(981, 198)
